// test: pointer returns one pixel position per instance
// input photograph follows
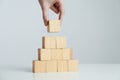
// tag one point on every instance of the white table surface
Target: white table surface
(86, 72)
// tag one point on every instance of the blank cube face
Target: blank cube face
(53, 42)
(49, 42)
(73, 65)
(51, 66)
(44, 54)
(54, 26)
(61, 42)
(67, 54)
(56, 54)
(62, 66)
(39, 66)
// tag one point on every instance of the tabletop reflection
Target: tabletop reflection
(56, 76)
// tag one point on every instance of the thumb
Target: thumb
(45, 16)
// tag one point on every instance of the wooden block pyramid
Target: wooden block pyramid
(54, 56)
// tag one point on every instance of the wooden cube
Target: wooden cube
(56, 54)
(39, 66)
(54, 26)
(49, 42)
(61, 42)
(67, 54)
(73, 65)
(44, 54)
(62, 66)
(51, 66)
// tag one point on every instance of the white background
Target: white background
(92, 28)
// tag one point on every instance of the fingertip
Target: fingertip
(46, 19)
(46, 23)
(61, 15)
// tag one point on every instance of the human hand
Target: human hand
(56, 6)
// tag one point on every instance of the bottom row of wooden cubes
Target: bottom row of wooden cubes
(55, 66)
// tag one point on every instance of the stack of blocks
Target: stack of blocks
(54, 56)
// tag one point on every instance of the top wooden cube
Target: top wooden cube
(54, 26)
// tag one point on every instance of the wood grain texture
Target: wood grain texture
(54, 26)
(39, 66)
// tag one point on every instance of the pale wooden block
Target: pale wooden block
(44, 54)
(67, 53)
(51, 66)
(46, 42)
(61, 42)
(73, 65)
(39, 66)
(53, 42)
(56, 54)
(49, 42)
(62, 66)
(54, 26)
